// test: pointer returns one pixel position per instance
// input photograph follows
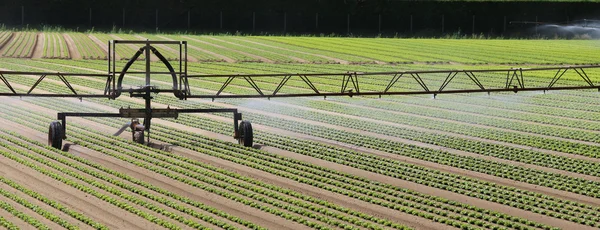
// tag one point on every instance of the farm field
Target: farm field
(308, 50)
(529, 160)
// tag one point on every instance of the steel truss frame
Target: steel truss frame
(515, 81)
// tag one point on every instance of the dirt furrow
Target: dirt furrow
(73, 51)
(263, 59)
(38, 50)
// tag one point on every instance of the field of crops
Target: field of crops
(310, 50)
(21, 45)
(529, 160)
(55, 46)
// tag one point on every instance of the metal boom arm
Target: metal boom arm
(515, 81)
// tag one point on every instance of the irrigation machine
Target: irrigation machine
(348, 84)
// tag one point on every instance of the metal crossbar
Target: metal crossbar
(516, 80)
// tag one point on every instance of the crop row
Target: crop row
(95, 141)
(203, 147)
(5, 37)
(435, 50)
(87, 48)
(55, 46)
(22, 45)
(28, 219)
(477, 147)
(574, 187)
(7, 224)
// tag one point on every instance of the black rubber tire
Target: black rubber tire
(246, 136)
(55, 134)
(138, 137)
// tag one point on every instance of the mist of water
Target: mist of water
(580, 29)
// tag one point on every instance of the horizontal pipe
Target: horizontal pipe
(54, 95)
(142, 72)
(148, 42)
(207, 110)
(397, 72)
(53, 73)
(398, 93)
(88, 115)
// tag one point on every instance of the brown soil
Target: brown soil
(73, 51)
(38, 50)
(265, 51)
(263, 59)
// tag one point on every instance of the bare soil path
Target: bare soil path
(265, 51)
(38, 50)
(263, 59)
(73, 51)
(102, 45)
